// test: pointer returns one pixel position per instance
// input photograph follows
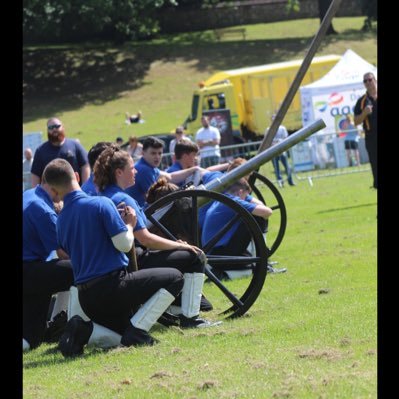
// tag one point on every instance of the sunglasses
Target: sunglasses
(51, 127)
(367, 80)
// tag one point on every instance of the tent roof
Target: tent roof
(348, 70)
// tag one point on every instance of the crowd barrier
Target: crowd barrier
(321, 155)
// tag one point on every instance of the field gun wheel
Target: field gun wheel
(231, 298)
(274, 200)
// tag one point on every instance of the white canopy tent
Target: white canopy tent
(331, 98)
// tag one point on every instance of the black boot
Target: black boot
(75, 337)
(56, 327)
(136, 337)
(196, 322)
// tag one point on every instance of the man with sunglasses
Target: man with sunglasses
(58, 146)
(366, 112)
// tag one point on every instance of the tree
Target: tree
(323, 8)
(77, 20)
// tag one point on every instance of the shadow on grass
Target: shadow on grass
(348, 207)
(65, 78)
(48, 358)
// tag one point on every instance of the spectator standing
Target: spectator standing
(119, 141)
(351, 141)
(280, 136)
(366, 113)
(135, 148)
(59, 146)
(26, 168)
(208, 140)
(179, 134)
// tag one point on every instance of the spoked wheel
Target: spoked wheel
(273, 199)
(231, 298)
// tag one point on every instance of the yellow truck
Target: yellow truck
(249, 97)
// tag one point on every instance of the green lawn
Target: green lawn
(90, 87)
(312, 333)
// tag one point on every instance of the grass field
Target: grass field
(90, 87)
(312, 333)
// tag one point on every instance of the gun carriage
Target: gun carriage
(229, 296)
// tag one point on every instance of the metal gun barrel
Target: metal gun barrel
(219, 184)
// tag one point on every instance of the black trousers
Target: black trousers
(40, 281)
(185, 261)
(371, 147)
(113, 300)
(238, 244)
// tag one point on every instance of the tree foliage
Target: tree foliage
(76, 20)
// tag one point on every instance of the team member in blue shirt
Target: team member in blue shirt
(41, 278)
(114, 171)
(89, 187)
(148, 170)
(236, 240)
(96, 237)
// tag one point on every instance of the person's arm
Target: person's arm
(35, 180)
(263, 211)
(218, 167)
(123, 241)
(152, 241)
(62, 254)
(367, 110)
(85, 172)
(179, 175)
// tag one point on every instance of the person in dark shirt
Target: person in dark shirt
(366, 113)
(59, 146)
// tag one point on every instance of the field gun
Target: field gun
(165, 214)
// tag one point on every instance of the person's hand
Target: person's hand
(129, 216)
(189, 247)
(368, 109)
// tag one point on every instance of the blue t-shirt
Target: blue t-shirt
(71, 150)
(84, 230)
(89, 187)
(351, 133)
(206, 178)
(145, 177)
(174, 167)
(218, 215)
(117, 195)
(39, 225)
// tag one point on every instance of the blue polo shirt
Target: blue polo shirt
(39, 225)
(145, 177)
(206, 178)
(117, 195)
(218, 215)
(84, 229)
(89, 187)
(174, 167)
(71, 150)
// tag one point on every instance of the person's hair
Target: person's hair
(152, 142)
(369, 73)
(185, 146)
(96, 150)
(236, 163)
(241, 184)
(110, 159)
(179, 129)
(159, 189)
(133, 139)
(58, 172)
